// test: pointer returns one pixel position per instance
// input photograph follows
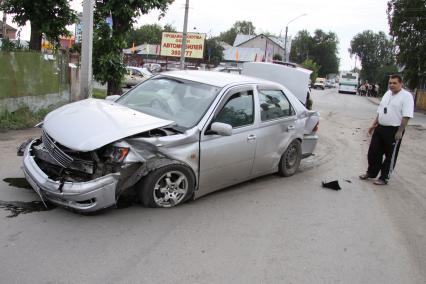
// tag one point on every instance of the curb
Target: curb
(375, 101)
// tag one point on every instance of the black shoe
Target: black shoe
(364, 176)
(380, 182)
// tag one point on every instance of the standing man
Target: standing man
(394, 111)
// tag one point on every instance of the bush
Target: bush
(277, 57)
(23, 118)
(99, 94)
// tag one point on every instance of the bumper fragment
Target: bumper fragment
(308, 145)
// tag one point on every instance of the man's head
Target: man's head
(395, 83)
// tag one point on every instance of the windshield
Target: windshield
(184, 102)
(349, 76)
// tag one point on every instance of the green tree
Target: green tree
(407, 23)
(239, 27)
(375, 50)
(7, 45)
(321, 48)
(325, 52)
(109, 41)
(150, 34)
(301, 47)
(213, 51)
(49, 17)
(313, 66)
(228, 36)
(244, 27)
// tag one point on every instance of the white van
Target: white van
(294, 78)
(320, 83)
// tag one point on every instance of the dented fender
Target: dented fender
(157, 152)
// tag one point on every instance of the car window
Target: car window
(238, 110)
(184, 102)
(273, 105)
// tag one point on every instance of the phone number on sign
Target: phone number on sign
(177, 52)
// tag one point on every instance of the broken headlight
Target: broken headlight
(116, 154)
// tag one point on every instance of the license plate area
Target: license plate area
(35, 187)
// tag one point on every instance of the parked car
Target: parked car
(176, 136)
(135, 75)
(319, 83)
(191, 67)
(228, 69)
(330, 84)
(153, 67)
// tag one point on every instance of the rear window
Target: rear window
(348, 76)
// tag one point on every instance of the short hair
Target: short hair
(396, 76)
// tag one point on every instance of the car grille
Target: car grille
(57, 154)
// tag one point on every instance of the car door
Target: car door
(226, 160)
(277, 128)
(128, 77)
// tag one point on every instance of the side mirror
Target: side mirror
(220, 128)
(112, 98)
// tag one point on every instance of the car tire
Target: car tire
(290, 160)
(167, 186)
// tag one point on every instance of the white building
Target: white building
(256, 48)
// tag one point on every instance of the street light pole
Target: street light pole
(4, 26)
(86, 50)
(184, 34)
(287, 54)
(285, 44)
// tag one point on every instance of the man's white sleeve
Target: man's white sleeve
(408, 106)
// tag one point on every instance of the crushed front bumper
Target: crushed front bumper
(87, 196)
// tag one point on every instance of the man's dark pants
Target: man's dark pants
(382, 143)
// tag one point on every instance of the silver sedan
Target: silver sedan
(178, 135)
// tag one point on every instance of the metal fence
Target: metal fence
(33, 79)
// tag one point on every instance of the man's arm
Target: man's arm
(401, 128)
(374, 125)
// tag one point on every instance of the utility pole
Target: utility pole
(285, 44)
(287, 54)
(86, 50)
(4, 26)
(184, 34)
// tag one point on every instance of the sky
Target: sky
(344, 17)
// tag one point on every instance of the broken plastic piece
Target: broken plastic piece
(332, 185)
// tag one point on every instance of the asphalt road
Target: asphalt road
(269, 230)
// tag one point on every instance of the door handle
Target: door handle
(291, 127)
(251, 137)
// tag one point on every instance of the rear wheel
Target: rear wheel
(167, 186)
(290, 160)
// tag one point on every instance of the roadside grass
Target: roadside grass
(99, 93)
(23, 118)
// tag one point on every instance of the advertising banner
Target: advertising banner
(171, 44)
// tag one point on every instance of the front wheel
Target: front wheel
(290, 160)
(167, 186)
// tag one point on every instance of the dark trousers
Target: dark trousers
(383, 143)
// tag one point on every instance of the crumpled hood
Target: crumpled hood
(90, 124)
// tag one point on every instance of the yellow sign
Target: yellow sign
(171, 44)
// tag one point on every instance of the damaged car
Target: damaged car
(177, 136)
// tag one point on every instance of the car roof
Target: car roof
(142, 69)
(218, 79)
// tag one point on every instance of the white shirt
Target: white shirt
(398, 105)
